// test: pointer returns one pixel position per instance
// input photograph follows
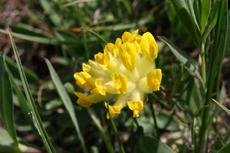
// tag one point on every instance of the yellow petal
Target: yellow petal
(99, 88)
(126, 36)
(116, 47)
(135, 106)
(99, 58)
(153, 79)
(106, 58)
(120, 82)
(133, 36)
(128, 55)
(86, 67)
(109, 47)
(149, 45)
(84, 80)
(113, 110)
(83, 100)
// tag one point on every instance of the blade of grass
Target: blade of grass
(23, 102)
(183, 58)
(222, 106)
(212, 67)
(67, 102)
(36, 116)
(6, 100)
(115, 131)
(32, 38)
(107, 141)
(192, 128)
(96, 34)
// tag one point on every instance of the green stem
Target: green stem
(154, 117)
(115, 131)
(202, 53)
(211, 78)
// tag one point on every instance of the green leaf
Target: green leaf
(28, 30)
(23, 103)
(205, 10)
(49, 8)
(66, 100)
(6, 100)
(37, 39)
(225, 149)
(191, 95)
(30, 75)
(152, 145)
(165, 121)
(182, 57)
(188, 19)
(34, 113)
(107, 141)
(222, 106)
(216, 146)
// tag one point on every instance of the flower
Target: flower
(125, 72)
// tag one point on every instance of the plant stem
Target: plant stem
(115, 131)
(154, 117)
(202, 53)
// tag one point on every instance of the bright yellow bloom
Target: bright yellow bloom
(125, 72)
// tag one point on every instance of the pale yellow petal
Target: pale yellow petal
(120, 82)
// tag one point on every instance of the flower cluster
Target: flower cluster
(124, 73)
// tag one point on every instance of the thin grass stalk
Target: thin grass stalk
(35, 115)
(115, 132)
(211, 79)
(202, 54)
(154, 117)
(222, 57)
(103, 133)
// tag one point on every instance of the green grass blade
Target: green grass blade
(205, 10)
(183, 58)
(107, 141)
(183, 12)
(32, 38)
(35, 115)
(23, 102)
(192, 128)
(222, 106)
(96, 34)
(67, 102)
(6, 100)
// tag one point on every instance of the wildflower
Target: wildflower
(125, 72)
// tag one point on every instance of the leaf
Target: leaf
(205, 10)
(107, 141)
(165, 121)
(23, 102)
(187, 19)
(190, 94)
(225, 149)
(222, 106)
(34, 113)
(30, 75)
(182, 57)
(153, 145)
(66, 100)
(216, 146)
(6, 100)
(28, 30)
(37, 39)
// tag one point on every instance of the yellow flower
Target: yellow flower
(125, 72)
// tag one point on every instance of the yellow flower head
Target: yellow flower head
(125, 72)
